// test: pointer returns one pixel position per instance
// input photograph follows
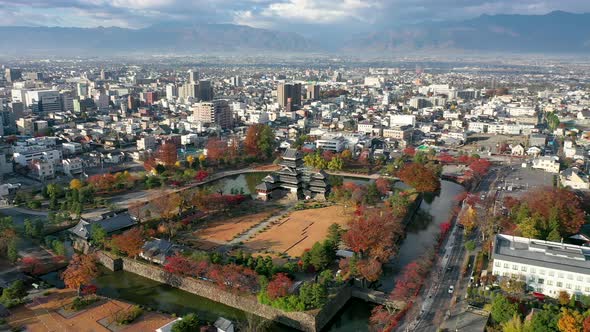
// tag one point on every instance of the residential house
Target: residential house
(517, 150)
(574, 179)
(547, 163)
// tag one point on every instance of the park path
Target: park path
(253, 231)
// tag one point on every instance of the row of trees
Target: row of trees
(547, 214)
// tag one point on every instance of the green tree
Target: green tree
(13, 294)
(470, 245)
(546, 319)
(334, 233)
(528, 228)
(420, 157)
(189, 323)
(98, 235)
(320, 255)
(12, 250)
(503, 310)
(515, 324)
(266, 141)
(552, 121)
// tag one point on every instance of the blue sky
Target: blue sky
(304, 16)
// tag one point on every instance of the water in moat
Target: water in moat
(434, 210)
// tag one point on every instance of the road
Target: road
(436, 301)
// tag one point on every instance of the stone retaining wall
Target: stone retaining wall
(304, 321)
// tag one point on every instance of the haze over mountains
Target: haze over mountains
(556, 32)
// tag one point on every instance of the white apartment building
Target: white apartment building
(402, 120)
(336, 144)
(546, 267)
(72, 147)
(547, 163)
(42, 169)
(72, 166)
(146, 143)
(574, 179)
(25, 157)
(398, 133)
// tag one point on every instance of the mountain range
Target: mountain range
(556, 32)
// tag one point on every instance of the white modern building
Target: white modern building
(547, 163)
(336, 144)
(546, 267)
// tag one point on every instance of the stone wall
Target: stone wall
(304, 321)
(111, 263)
(328, 311)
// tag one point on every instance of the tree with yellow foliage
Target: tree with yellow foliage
(468, 219)
(81, 270)
(76, 184)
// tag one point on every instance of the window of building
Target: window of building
(550, 282)
(505, 274)
(523, 268)
(505, 265)
(514, 267)
(578, 287)
(497, 264)
(560, 275)
(551, 273)
(580, 278)
(568, 286)
(541, 281)
(533, 270)
(542, 272)
(559, 284)
(587, 289)
(570, 276)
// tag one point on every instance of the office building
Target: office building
(132, 103)
(33, 76)
(151, 97)
(235, 81)
(205, 90)
(67, 100)
(13, 74)
(289, 90)
(216, 112)
(313, 92)
(546, 267)
(47, 101)
(336, 144)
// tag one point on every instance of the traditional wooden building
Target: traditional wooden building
(294, 179)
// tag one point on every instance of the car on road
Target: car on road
(451, 289)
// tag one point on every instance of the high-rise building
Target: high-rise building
(193, 76)
(67, 101)
(236, 80)
(82, 89)
(132, 103)
(205, 90)
(216, 112)
(188, 90)
(171, 91)
(33, 76)
(289, 90)
(151, 97)
(13, 74)
(313, 92)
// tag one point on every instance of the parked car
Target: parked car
(451, 289)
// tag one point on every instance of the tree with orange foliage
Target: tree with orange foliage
(167, 205)
(259, 141)
(150, 164)
(167, 154)
(419, 177)
(130, 242)
(81, 270)
(570, 321)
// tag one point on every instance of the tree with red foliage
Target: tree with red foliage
(408, 284)
(444, 228)
(179, 265)
(328, 155)
(446, 158)
(216, 149)
(463, 159)
(167, 153)
(419, 177)
(236, 277)
(102, 182)
(383, 185)
(279, 286)
(130, 242)
(409, 151)
(32, 265)
(480, 167)
(89, 290)
(201, 175)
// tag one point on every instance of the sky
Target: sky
(307, 17)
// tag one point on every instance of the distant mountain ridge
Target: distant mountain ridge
(555, 32)
(164, 38)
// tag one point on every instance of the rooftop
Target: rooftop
(552, 255)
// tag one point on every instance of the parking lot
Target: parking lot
(515, 180)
